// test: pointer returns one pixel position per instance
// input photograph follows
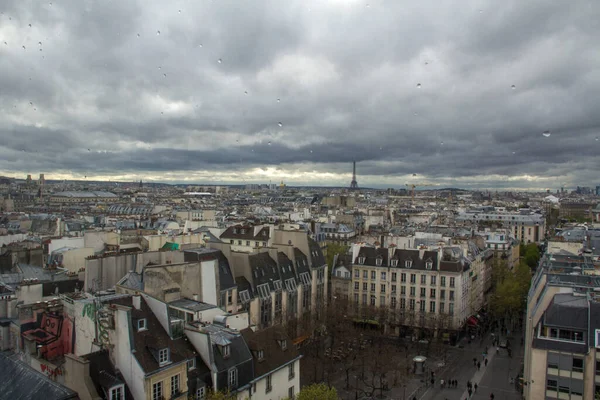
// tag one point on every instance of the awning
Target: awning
(171, 246)
(366, 321)
(472, 321)
(300, 339)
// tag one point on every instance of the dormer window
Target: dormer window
(378, 261)
(163, 356)
(117, 393)
(260, 355)
(429, 264)
(141, 324)
(283, 344)
(361, 260)
(408, 263)
(243, 231)
(235, 231)
(225, 351)
(394, 263)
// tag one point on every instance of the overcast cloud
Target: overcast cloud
(234, 91)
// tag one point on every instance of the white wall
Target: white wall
(159, 309)
(280, 383)
(7, 239)
(74, 242)
(124, 359)
(85, 328)
(209, 282)
(239, 321)
(29, 294)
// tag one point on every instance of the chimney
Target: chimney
(137, 301)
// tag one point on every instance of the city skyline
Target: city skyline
(482, 96)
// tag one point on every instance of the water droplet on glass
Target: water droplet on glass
(513, 87)
(546, 133)
(200, 45)
(442, 143)
(40, 49)
(278, 100)
(89, 150)
(23, 47)
(50, 4)
(30, 25)
(245, 92)
(161, 113)
(31, 103)
(311, 151)
(6, 43)
(219, 61)
(138, 35)
(179, 11)
(269, 143)
(157, 33)
(165, 75)
(159, 67)
(514, 152)
(418, 86)
(597, 138)
(426, 63)
(480, 11)
(416, 114)
(280, 124)
(40, 43)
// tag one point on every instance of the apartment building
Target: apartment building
(425, 292)
(526, 227)
(562, 334)
(245, 238)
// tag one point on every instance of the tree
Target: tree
(215, 395)
(317, 391)
(532, 255)
(332, 250)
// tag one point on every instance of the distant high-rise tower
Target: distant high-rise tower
(353, 184)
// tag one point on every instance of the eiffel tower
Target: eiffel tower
(353, 184)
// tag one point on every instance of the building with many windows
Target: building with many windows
(525, 226)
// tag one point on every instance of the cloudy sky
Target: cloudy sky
(234, 91)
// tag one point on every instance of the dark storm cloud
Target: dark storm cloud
(109, 94)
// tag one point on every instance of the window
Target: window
(356, 298)
(357, 273)
(423, 279)
(433, 280)
(393, 288)
(432, 293)
(378, 261)
(408, 263)
(422, 292)
(552, 385)
(263, 291)
(157, 391)
(403, 290)
(365, 286)
(163, 356)
(361, 260)
(411, 304)
(381, 301)
(432, 306)
(191, 364)
(394, 263)
(442, 281)
(372, 287)
(422, 306)
(451, 295)
(429, 265)
(291, 371)
(383, 276)
(231, 241)
(232, 378)
(451, 309)
(260, 354)
(247, 243)
(244, 296)
(413, 278)
(291, 393)
(356, 286)
(442, 308)
(372, 300)
(393, 302)
(141, 324)
(394, 276)
(452, 280)
(230, 295)
(412, 291)
(365, 274)
(577, 365)
(201, 393)
(269, 386)
(597, 367)
(403, 277)
(283, 344)
(373, 275)
(174, 384)
(442, 294)
(239, 242)
(382, 288)
(364, 299)
(277, 285)
(225, 350)
(117, 393)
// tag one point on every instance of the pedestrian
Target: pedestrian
(478, 365)
(474, 362)
(432, 382)
(470, 392)
(475, 387)
(491, 396)
(485, 362)
(442, 384)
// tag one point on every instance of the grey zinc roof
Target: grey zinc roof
(91, 194)
(26, 383)
(132, 280)
(192, 305)
(567, 310)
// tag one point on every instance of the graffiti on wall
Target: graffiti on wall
(102, 319)
(50, 372)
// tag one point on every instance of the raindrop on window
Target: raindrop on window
(596, 138)
(50, 4)
(179, 11)
(311, 151)
(200, 45)
(161, 113)
(138, 35)
(278, 100)
(442, 143)
(89, 150)
(280, 124)
(219, 61)
(159, 67)
(6, 43)
(40, 43)
(513, 87)
(40, 49)
(23, 47)
(157, 33)
(31, 103)
(418, 86)
(30, 25)
(546, 133)
(245, 92)
(269, 143)
(514, 152)
(165, 75)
